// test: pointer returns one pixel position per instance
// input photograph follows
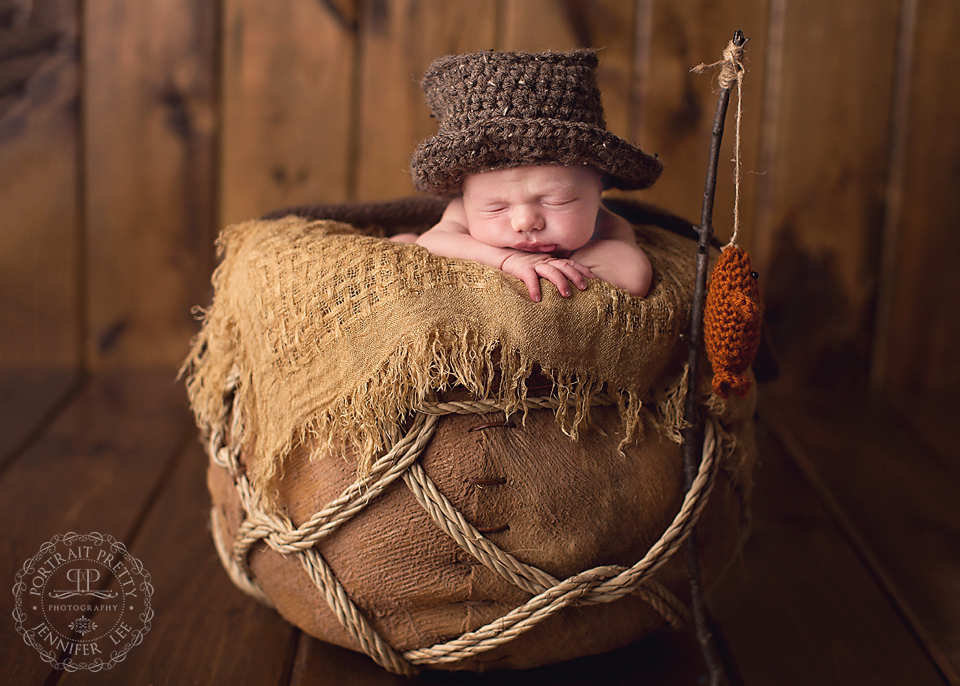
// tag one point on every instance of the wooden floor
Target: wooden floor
(851, 575)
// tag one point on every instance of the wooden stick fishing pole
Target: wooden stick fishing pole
(693, 433)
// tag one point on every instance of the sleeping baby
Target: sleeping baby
(524, 153)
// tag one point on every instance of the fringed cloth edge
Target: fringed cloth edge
(338, 337)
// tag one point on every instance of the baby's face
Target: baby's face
(544, 208)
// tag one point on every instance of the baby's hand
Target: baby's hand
(529, 267)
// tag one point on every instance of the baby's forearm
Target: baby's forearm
(618, 263)
(463, 246)
(526, 266)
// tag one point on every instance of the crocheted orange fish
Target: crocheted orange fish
(731, 321)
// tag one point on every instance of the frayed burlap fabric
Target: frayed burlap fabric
(344, 499)
(340, 336)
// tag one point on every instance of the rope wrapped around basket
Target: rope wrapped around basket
(270, 417)
(599, 585)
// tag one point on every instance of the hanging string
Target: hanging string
(731, 71)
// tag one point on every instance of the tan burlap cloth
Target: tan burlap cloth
(324, 346)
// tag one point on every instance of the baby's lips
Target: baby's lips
(536, 247)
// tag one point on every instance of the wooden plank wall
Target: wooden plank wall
(149, 126)
(40, 185)
(130, 132)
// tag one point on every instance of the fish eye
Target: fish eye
(754, 275)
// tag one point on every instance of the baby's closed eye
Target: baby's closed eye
(558, 202)
(494, 209)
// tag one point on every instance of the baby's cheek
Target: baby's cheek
(488, 231)
(577, 230)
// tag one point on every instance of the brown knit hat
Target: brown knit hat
(507, 109)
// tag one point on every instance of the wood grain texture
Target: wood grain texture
(399, 40)
(40, 234)
(317, 661)
(150, 119)
(665, 658)
(678, 107)
(94, 469)
(819, 223)
(899, 499)
(800, 608)
(205, 630)
(919, 327)
(932, 416)
(28, 399)
(288, 74)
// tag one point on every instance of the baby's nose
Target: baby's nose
(526, 218)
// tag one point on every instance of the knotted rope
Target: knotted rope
(731, 71)
(599, 585)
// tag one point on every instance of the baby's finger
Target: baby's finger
(573, 272)
(555, 276)
(583, 269)
(532, 281)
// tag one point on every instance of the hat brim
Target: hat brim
(440, 164)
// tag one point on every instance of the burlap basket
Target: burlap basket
(412, 459)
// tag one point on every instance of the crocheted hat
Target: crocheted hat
(507, 109)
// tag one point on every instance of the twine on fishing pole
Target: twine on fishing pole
(734, 309)
(731, 71)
